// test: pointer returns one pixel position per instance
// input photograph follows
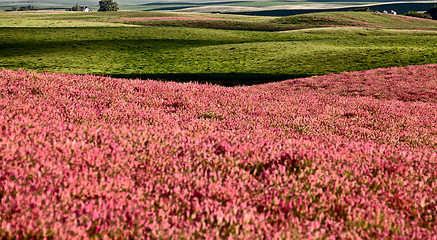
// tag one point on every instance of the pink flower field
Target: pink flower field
(169, 19)
(341, 156)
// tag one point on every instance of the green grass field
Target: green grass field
(231, 50)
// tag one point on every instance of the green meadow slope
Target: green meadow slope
(222, 49)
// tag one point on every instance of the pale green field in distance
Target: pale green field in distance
(217, 48)
(261, 7)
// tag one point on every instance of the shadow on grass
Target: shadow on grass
(223, 79)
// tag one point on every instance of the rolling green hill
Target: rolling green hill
(222, 49)
(362, 19)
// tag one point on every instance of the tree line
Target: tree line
(105, 5)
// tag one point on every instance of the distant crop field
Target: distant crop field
(281, 8)
(216, 48)
(286, 8)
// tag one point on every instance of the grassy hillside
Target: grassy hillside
(361, 19)
(205, 48)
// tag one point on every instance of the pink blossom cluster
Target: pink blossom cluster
(342, 156)
(170, 19)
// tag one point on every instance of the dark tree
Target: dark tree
(77, 7)
(433, 12)
(108, 5)
(419, 15)
(362, 9)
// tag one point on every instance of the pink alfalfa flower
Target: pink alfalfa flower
(91, 156)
